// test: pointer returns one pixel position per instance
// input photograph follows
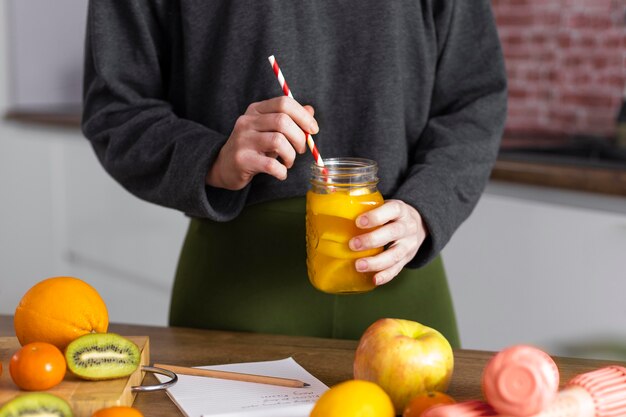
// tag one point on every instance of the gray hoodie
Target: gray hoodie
(417, 85)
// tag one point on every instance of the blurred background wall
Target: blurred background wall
(532, 264)
(565, 64)
(45, 52)
(61, 214)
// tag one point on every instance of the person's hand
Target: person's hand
(402, 229)
(265, 139)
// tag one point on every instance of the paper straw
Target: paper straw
(287, 92)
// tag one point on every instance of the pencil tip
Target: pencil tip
(306, 384)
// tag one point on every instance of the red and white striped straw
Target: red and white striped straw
(285, 87)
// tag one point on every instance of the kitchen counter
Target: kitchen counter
(576, 163)
(607, 180)
(575, 178)
(330, 360)
(66, 116)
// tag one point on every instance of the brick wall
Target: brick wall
(566, 63)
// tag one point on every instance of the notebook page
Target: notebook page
(212, 397)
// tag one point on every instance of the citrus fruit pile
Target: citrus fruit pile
(360, 398)
(58, 321)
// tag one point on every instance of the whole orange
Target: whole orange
(119, 411)
(57, 310)
(353, 398)
(421, 402)
(37, 366)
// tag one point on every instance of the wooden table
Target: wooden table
(330, 360)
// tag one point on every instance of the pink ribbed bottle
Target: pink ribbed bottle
(599, 393)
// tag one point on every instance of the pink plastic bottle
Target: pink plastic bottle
(520, 381)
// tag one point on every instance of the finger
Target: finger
(380, 237)
(255, 163)
(275, 144)
(310, 109)
(390, 210)
(395, 254)
(290, 107)
(387, 275)
(280, 122)
(386, 265)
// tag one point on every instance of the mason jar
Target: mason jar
(340, 191)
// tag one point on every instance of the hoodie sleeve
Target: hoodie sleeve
(136, 135)
(459, 145)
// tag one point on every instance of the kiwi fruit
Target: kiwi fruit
(99, 356)
(36, 404)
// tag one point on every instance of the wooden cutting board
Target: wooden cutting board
(84, 397)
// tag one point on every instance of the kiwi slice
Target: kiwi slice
(36, 404)
(98, 356)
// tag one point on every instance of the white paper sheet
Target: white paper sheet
(211, 397)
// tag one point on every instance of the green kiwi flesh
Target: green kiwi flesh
(98, 356)
(36, 404)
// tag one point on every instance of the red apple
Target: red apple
(405, 358)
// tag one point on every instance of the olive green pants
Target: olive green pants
(250, 274)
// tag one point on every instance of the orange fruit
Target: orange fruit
(118, 411)
(354, 398)
(421, 402)
(58, 310)
(37, 366)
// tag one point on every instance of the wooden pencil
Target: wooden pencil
(234, 376)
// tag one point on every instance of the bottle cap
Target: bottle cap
(520, 381)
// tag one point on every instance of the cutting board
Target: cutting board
(84, 397)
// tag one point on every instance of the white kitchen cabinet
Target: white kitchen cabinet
(63, 215)
(539, 265)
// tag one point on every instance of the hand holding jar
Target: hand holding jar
(349, 224)
(397, 226)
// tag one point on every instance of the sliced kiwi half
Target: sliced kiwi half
(98, 356)
(36, 404)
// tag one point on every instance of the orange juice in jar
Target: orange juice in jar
(340, 191)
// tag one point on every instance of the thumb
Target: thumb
(310, 109)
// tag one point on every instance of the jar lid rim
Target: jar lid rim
(353, 165)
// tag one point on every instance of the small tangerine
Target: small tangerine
(117, 411)
(37, 366)
(422, 402)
